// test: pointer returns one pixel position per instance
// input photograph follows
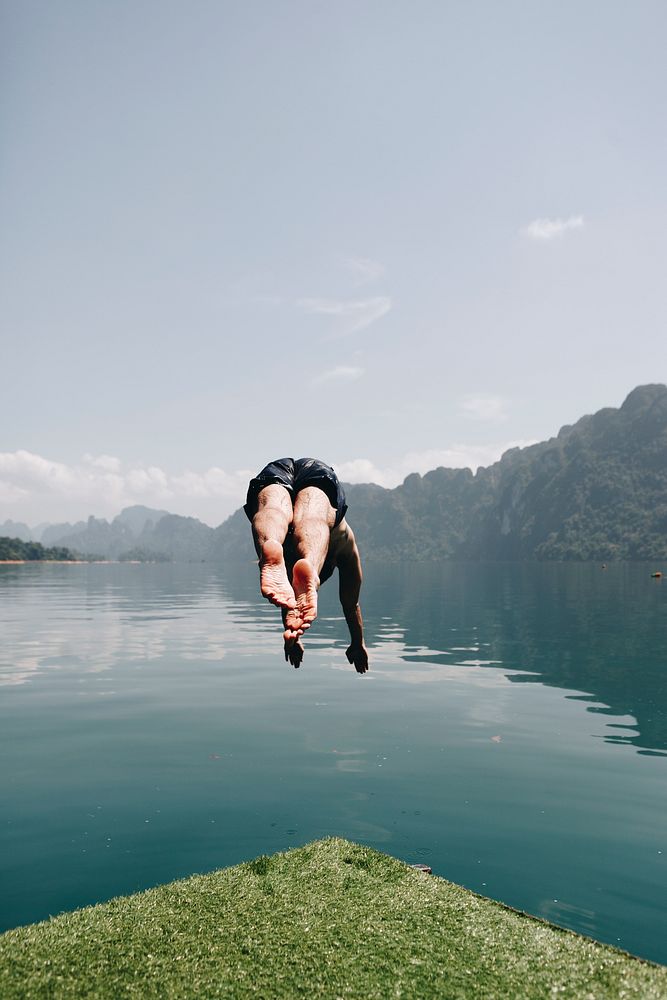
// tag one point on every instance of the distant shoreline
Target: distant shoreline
(70, 562)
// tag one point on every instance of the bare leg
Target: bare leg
(314, 517)
(269, 529)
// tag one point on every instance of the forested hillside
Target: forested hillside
(15, 550)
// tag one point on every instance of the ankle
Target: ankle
(271, 548)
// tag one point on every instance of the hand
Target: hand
(358, 655)
(294, 652)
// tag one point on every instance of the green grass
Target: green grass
(331, 919)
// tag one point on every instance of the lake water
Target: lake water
(512, 733)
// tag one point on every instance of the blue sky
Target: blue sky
(391, 235)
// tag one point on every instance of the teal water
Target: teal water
(512, 733)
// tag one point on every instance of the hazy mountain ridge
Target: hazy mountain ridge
(137, 532)
(18, 530)
(598, 490)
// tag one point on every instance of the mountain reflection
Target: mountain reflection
(601, 633)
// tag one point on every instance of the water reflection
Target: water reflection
(87, 618)
(600, 635)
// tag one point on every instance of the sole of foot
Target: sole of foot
(305, 582)
(273, 580)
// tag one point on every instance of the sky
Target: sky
(389, 235)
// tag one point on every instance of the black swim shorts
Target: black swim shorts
(294, 475)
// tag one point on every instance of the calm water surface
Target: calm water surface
(512, 733)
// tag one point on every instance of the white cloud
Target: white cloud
(364, 269)
(37, 487)
(151, 482)
(341, 373)
(549, 229)
(11, 493)
(484, 407)
(212, 483)
(352, 315)
(459, 456)
(363, 470)
(27, 471)
(106, 462)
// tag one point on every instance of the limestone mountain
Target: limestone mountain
(132, 528)
(598, 490)
(174, 538)
(137, 518)
(17, 529)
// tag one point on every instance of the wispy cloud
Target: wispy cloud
(341, 373)
(459, 456)
(364, 269)
(351, 315)
(484, 407)
(550, 229)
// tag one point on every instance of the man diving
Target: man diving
(297, 510)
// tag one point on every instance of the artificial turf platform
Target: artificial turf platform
(331, 919)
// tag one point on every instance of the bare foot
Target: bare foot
(273, 580)
(305, 581)
(294, 652)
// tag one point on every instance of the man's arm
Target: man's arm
(349, 586)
